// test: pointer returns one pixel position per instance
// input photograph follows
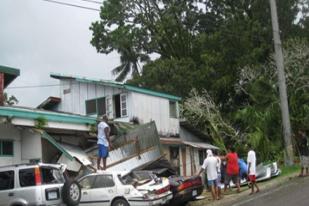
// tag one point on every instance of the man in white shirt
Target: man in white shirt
(103, 141)
(210, 165)
(251, 160)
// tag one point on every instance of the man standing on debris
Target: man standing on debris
(210, 165)
(103, 141)
(251, 160)
(304, 153)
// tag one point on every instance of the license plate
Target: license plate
(194, 193)
(52, 195)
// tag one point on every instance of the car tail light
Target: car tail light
(37, 176)
(162, 190)
(184, 185)
(190, 183)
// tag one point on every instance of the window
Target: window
(6, 148)
(87, 182)
(91, 106)
(104, 181)
(51, 176)
(120, 101)
(26, 177)
(173, 109)
(101, 106)
(6, 180)
(96, 106)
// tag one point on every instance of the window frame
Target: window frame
(96, 105)
(1, 148)
(126, 105)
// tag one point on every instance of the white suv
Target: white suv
(37, 184)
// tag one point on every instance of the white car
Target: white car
(121, 189)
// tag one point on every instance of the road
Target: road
(293, 193)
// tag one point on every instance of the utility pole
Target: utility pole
(289, 154)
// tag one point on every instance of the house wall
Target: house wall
(188, 136)
(148, 108)
(73, 95)
(188, 159)
(31, 146)
(9, 132)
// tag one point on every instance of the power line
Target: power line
(92, 1)
(72, 5)
(33, 86)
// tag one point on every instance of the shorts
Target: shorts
(304, 161)
(103, 151)
(234, 178)
(252, 178)
(212, 182)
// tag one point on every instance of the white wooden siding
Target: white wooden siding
(74, 101)
(148, 108)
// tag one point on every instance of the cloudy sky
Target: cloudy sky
(40, 37)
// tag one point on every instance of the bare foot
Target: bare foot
(257, 191)
(250, 193)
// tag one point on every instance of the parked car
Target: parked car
(184, 189)
(37, 184)
(121, 189)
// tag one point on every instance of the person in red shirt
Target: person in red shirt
(232, 169)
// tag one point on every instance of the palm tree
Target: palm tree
(129, 63)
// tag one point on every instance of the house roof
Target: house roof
(118, 85)
(178, 141)
(9, 74)
(29, 113)
(49, 103)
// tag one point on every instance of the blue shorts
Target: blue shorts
(212, 182)
(103, 151)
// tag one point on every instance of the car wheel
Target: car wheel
(120, 202)
(71, 193)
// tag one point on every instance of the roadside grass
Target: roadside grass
(288, 170)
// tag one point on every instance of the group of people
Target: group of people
(233, 171)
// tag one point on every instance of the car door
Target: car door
(6, 187)
(104, 189)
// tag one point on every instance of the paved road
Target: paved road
(293, 193)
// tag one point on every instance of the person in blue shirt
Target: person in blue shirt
(243, 169)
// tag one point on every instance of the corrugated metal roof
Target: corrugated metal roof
(118, 85)
(178, 141)
(30, 113)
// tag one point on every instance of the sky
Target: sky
(39, 37)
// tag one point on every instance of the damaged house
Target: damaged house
(122, 102)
